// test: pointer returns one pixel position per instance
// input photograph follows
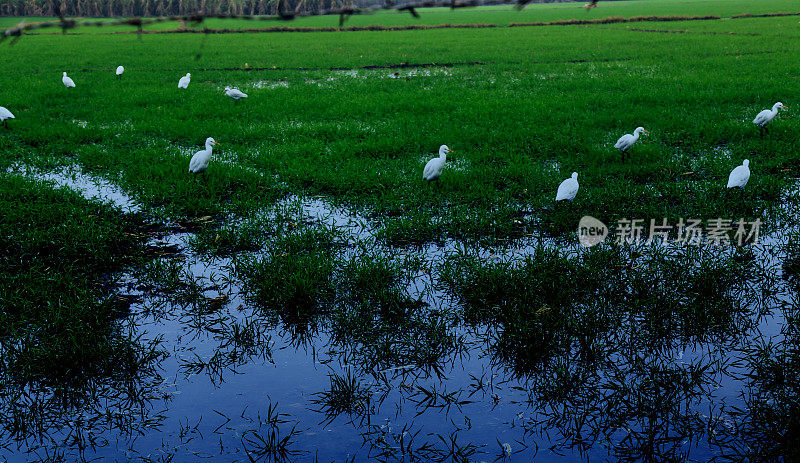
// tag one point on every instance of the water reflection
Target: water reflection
(317, 347)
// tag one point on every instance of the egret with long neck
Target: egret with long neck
(199, 162)
(433, 169)
(766, 116)
(626, 141)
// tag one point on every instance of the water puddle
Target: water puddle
(269, 84)
(90, 187)
(243, 381)
(371, 74)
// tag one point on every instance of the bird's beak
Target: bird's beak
(216, 143)
(450, 151)
(646, 131)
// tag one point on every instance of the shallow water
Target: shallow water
(214, 393)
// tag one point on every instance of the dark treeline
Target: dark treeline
(143, 8)
(140, 8)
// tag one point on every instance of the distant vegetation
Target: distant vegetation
(110, 8)
(138, 8)
(130, 8)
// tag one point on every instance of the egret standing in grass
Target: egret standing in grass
(235, 93)
(120, 70)
(568, 188)
(184, 82)
(5, 115)
(199, 162)
(739, 175)
(766, 116)
(626, 141)
(433, 169)
(67, 81)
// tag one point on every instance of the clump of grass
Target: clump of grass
(553, 303)
(170, 278)
(765, 426)
(156, 175)
(60, 337)
(414, 228)
(232, 238)
(791, 264)
(294, 279)
(270, 441)
(376, 318)
(346, 395)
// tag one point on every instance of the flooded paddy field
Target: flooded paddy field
(310, 298)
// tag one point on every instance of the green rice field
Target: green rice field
(311, 298)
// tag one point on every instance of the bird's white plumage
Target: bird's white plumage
(199, 162)
(120, 70)
(235, 93)
(184, 82)
(766, 116)
(568, 188)
(628, 140)
(5, 114)
(67, 81)
(433, 169)
(739, 175)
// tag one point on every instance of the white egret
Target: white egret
(5, 115)
(199, 162)
(626, 141)
(235, 93)
(766, 116)
(67, 81)
(120, 70)
(568, 188)
(433, 169)
(184, 82)
(739, 175)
